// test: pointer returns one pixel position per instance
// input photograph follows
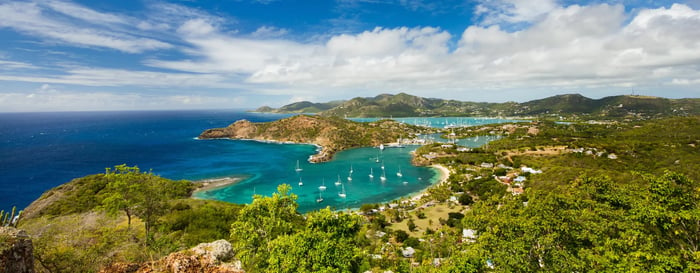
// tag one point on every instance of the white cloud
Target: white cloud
(562, 49)
(12, 65)
(33, 19)
(513, 11)
(85, 14)
(269, 32)
(48, 98)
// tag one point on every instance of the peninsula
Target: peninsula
(332, 134)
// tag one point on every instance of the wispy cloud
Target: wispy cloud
(37, 19)
(51, 98)
(558, 49)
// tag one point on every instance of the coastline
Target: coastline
(214, 183)
(444, 175)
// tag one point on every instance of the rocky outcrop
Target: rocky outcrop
(15, 251)
(204, 258)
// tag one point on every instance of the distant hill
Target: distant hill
(300, 107)
(405, 105)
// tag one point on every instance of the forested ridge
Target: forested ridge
(546, 197)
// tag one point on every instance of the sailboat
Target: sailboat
(300, 183)
(337, 183)
(342, 193)
(381, 146)
(350, 174)
(371, 173)
(323, 186)
(320, 197)
(298, 168)
(351, 169)
(382, 165)
(383, 177)
(399, 174)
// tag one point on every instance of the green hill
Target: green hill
(405, 105)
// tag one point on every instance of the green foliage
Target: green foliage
(592, 225)
(190, 222)
(262, 221)
(400, 236)
(466, 199)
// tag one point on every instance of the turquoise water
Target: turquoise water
(446, 122)
(39, 151)
(359, 187)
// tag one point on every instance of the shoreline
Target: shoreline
(444, 175)
(206, 185)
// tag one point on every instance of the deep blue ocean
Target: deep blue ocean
(39, 151)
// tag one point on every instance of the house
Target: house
(408, 252)
(469, 235)
(612, 156)
(530, 170)
(486, 165)
(518, 191)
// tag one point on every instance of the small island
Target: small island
(332, 134)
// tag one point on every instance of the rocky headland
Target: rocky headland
(332, 134)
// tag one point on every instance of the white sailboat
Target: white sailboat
(298, 168)
(382, 165)
(383, 177)
(399, 174)
(337, 183)
(371, 173)
(300, 183)
(350, 174)
(351, 169)
(381, 146)
(320, 197)
(323, 186)
(342, 193)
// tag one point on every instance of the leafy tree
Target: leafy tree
(262, 221)
(125, 190)
(466, 199)
(136, 194)
(326, 244)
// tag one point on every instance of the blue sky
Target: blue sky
(82, 55)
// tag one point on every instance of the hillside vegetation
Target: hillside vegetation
(331, 133)
(571, 106)
(580, 209)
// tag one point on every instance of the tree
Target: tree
(466, 199)
(260, 222)
(124, 191)
(328, 243)
(136, 194)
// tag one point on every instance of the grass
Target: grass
(433, 215)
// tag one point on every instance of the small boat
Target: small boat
(320, 198)
(351, 169)
(342, 193)
(383, 177)
(371, 173)
(337, 183)
(298, 168)
(399, 174)
(300, 183)
(349, 178)
(382, 165)
(381, 146)
(323, 186)
(405, 182)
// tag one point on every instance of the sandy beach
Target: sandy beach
(444, 175)
(215, 183)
